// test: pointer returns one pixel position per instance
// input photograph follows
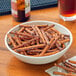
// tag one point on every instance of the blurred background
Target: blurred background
(5, 5)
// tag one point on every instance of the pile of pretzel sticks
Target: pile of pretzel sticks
(37, 40)
(68, 66)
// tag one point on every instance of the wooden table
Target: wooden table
(11, 66)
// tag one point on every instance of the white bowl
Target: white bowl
(44, 59)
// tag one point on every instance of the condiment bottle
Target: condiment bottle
(20, 10)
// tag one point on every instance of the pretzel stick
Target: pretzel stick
(51, 31)
(59, 47)
(49, 36)
(64, 41)
(51, 53)
(65, 68)
(28, 26)
(27, 34)
(25, 26)
(45, 37)
(24, 38)
(33, 27)
(22, 34)
(45, 29)
(35, 32)
(25, 43)
(56, 38)
(55, 31)
(71, 61)
(69, 65)
(34, 55)
(22, 52)
(47, 47)
(16, 38)
(39, 32)
(33, 52)
(21, 30)
(47, 50)
(64, 74)
(31, 47)
(12, 41)
(42, 26)
(59, 73)
(30, 32)
(30, 29)
(66, 35)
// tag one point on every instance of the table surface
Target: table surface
(10, 65)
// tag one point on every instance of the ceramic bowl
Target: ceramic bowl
(44, 59)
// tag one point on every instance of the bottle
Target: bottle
(20, 10)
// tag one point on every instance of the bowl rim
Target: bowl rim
(71, 39)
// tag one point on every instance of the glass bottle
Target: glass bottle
(20, 10)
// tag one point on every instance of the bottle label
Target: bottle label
(20, 5)
(27, 8)
(14, 8)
